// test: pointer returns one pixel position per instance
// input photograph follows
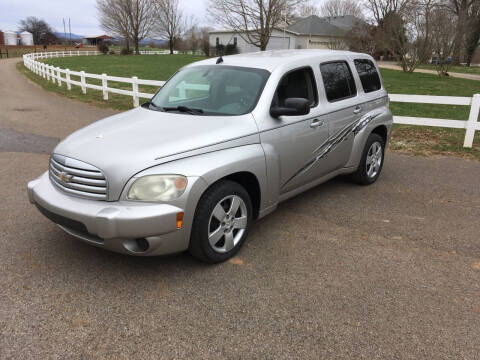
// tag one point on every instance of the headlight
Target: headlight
(157, 188)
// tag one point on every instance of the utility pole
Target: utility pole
(70, 30)
(64, 33)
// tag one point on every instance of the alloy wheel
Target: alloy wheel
(227, 223)
(374, 159)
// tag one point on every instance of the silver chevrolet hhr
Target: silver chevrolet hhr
(220, 145)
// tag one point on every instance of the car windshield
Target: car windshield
(211, 90)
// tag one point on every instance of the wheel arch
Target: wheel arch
(382, 131)
(250, 183)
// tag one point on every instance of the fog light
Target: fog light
(142, 244)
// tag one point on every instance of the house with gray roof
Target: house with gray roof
(312, 32)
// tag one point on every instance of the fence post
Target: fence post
(82, 80)
(67, 75)
(78, 52)
(47, 70)
(136, 102)
(59, 76)
(52, 70)
(104, 86)
(472, 120)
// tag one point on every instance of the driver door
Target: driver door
(294, 139)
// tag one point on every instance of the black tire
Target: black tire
(200, 246)
(361, 176)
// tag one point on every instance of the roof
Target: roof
(347, 21)
(314, 25)
(98, 37)
(269, 60)
(236, 32)
(330, 26)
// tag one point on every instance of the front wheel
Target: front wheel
(371, 162)
(222, 220)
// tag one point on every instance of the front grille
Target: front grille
(77, 178)
(62, 220)
(73, 227)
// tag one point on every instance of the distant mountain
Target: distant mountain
(144, 42)
(74, 36)
(157, 42)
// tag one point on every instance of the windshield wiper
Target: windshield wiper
(182, 108)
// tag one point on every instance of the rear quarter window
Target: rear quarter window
(338, 80)
(368, 75)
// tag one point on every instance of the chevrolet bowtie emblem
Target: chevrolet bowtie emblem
(65, 177)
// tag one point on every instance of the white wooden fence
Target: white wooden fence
(56, 74)
(470, 125)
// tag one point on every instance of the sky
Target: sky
(82, 13)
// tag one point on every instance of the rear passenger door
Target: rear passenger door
(342, 108)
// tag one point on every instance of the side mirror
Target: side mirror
(293, 106)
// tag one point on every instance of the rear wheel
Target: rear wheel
(222, 220)
(371, 162)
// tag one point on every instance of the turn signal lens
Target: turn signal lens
(179, 220)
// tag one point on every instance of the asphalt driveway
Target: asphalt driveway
(390, 271)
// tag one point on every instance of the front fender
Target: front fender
(205, 169)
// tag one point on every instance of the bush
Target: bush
(230, 49)
(102, 47)
(126, 51)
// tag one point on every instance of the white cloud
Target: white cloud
(82, 13)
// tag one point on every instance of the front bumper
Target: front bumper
(114, 226)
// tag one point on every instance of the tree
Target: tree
(381, 8)
(130, 19)
(422, 21)
(170, 22)
(205, 42)
(473, 36)
(307, 9)
(114, 18)
(465, 11)
(38, 27)
(253, 20)
(443, 43)
(142, 16)
(341, 8)
(362, 38)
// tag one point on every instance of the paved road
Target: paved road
(390, 271)
(394, 66)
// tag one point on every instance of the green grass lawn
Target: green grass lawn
(475, 70)
(413, 139)
(151, 67)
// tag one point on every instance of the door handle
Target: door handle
(316, 123)
(357, 110)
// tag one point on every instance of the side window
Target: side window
(368, 75)
(338, 81)
(297, 84)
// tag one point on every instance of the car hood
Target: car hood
(125, 144)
